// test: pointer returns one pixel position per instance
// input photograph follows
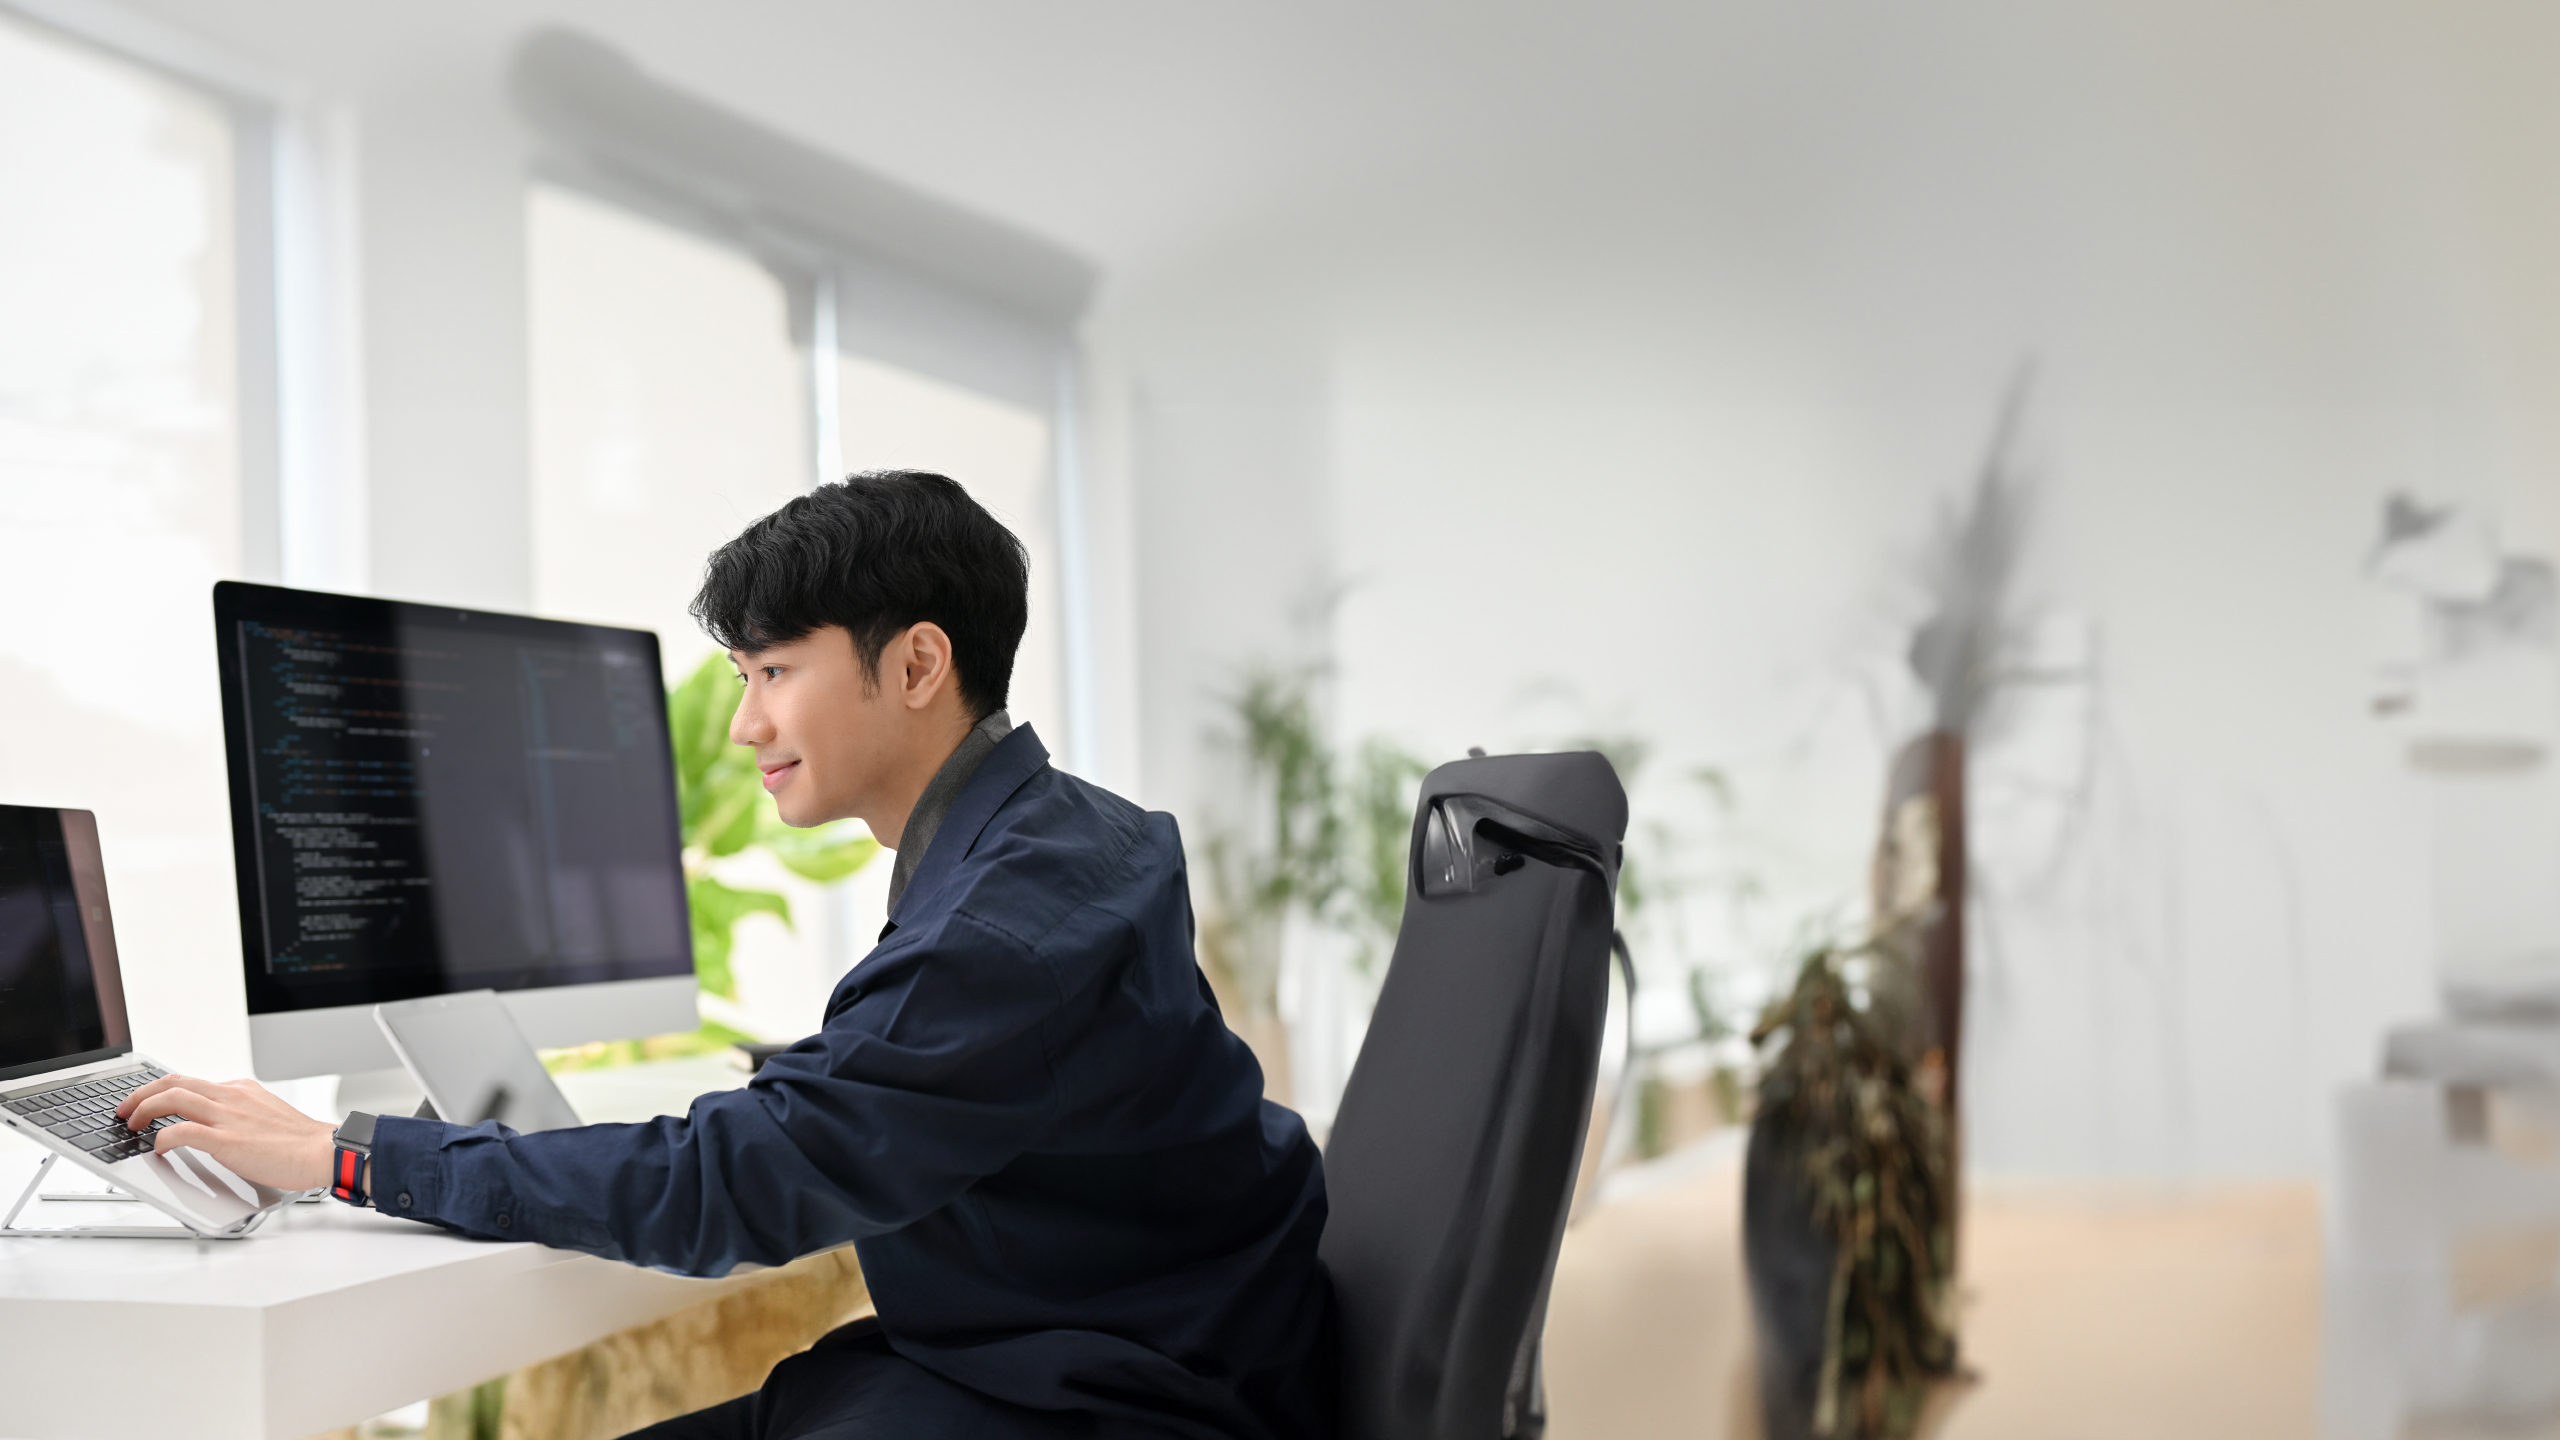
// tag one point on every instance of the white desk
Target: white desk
(322, 1318)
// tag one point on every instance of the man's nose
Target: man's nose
(747, 726)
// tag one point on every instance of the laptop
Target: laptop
(66, 1053)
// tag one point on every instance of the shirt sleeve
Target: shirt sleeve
(934, 1070)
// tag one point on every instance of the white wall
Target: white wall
(1640, 437)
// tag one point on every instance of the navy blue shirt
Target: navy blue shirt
(1024, 1112)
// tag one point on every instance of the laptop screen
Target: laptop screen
(54, 1008)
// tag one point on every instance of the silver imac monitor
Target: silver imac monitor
(426, 801)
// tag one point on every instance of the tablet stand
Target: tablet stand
(11, 1230)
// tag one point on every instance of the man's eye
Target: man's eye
(771, 671)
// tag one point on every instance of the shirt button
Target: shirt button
(505, 1220)
(404, 1199)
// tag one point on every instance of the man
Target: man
(1074, 1209)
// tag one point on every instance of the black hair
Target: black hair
(876, 554)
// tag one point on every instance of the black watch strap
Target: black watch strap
(354, 1146)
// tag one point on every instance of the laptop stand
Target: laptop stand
(11, 1230)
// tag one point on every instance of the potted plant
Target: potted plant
(1849, 1189)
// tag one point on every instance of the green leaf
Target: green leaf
(824, 853)
(717, 788)
(698, 713)
(716, 910)
(734, 804)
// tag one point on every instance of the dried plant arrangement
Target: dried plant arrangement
(1846, 1122)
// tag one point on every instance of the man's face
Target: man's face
(824, 730)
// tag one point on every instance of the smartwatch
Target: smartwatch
(354, 1146)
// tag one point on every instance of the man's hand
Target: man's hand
(257, 1136)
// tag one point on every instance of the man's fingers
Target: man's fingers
(181, 1135)
(124, 1106)
(172, 1101)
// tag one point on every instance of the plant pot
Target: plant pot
(1790, 1263)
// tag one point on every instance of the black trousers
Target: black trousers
(852, 1386)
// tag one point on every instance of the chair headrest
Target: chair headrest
(1576, 791)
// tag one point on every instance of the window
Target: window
(896, 419)
(669, 409)
(120, 488)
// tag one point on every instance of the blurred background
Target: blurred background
(1372, 382)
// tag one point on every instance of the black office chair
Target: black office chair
(1452, 1160)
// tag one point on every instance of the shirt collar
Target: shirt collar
(925, 820)
(1015, 759)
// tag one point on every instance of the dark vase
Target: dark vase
(1789, 1261)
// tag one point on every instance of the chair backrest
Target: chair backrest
(1452, 1159)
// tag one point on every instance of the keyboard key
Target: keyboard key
(93, 1140)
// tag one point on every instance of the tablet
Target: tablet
(465, 1051)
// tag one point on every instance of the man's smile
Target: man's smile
(778, 772)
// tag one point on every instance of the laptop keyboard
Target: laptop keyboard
(84, 1113)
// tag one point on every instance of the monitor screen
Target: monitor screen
(428, 800)
(54, 1008)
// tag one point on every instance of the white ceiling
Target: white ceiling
(1826, 156)
(1129, 128)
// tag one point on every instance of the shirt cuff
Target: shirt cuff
(408, 1167)
(466, 1178)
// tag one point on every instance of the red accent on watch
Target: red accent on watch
(350, 1177)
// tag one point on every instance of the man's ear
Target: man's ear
(926, 655)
